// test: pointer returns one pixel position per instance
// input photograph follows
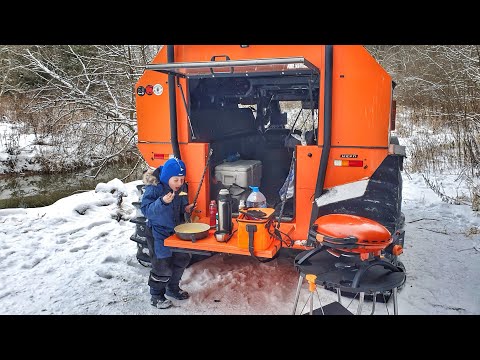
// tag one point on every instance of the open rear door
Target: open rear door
(286, 78)
(254, 67)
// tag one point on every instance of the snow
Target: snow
(343, 192)
(18, 147)
(74, 257)
(21, 151)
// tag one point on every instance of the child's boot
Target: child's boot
(160, 302)
(175, 292)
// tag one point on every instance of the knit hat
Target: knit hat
(173, 167)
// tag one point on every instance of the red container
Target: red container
(213, 213)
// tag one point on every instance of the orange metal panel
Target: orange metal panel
(308, 161)
(153, 116)
(303, 209)
(361, 98)
(148, 150)
(195, 156)
(339, 175)
(361, 91)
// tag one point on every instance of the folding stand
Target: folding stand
(323, 269)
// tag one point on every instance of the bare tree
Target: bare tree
(83, 95)
(440, 86)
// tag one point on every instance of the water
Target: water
(256, 204)
(256, 199)
(42, 190)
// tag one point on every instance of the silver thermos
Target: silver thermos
(225, 212)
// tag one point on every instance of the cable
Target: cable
(279, 237)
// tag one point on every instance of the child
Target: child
(165, 209)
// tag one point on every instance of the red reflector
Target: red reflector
(149, 89)
(357, 163)
(160, 156)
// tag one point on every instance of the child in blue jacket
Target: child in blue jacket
(165, 209)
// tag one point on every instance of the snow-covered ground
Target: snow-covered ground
(74, 257)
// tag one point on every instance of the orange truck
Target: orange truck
(310, 125)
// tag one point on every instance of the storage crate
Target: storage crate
(262, 239)
(244, 173)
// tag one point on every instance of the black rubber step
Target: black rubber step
(334, 308)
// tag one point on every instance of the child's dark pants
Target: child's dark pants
(165, 272)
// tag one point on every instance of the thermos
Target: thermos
(225, 212)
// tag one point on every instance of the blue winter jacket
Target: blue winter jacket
(161, 217)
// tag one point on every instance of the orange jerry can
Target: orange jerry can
(258, 219)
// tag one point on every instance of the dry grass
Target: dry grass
(434, 147)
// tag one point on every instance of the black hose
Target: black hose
(172, 101)
(327, 130)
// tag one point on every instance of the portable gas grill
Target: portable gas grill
(347, 235)
(355, 237)
(358, 244)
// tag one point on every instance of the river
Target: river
(18, 191)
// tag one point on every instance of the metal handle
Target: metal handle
(227, 58)
(251, 229)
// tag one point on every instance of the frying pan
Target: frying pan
(192, 231)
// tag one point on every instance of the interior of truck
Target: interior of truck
(259, 116)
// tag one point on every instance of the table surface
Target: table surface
(210, 243)
(325, 266)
